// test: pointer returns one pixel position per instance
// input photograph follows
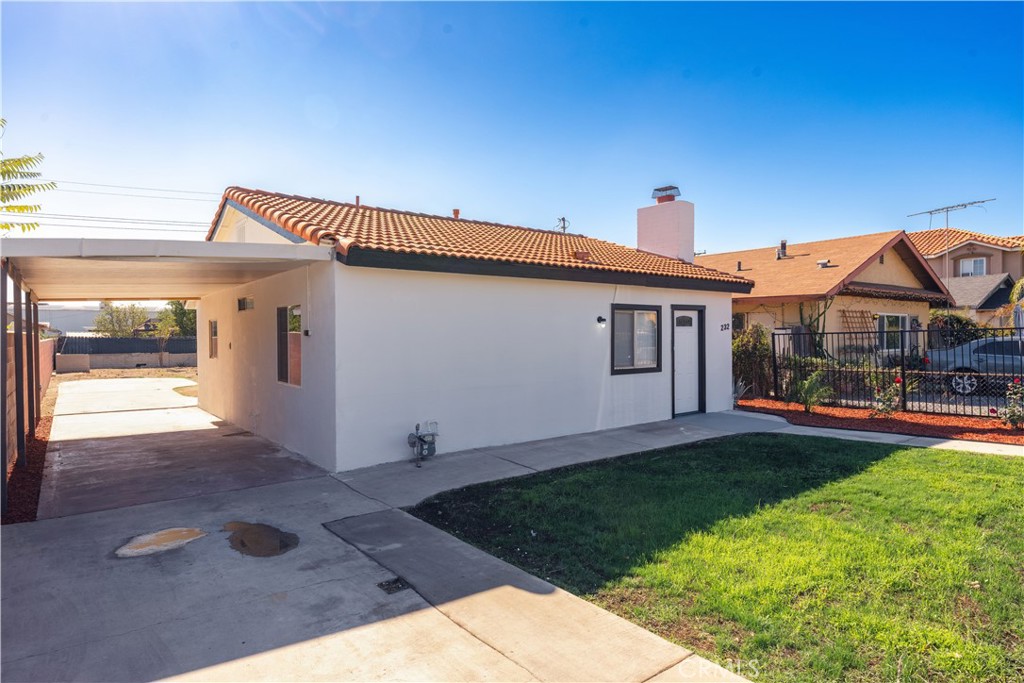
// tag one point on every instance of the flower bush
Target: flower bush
(1013, 413)
(888, 398)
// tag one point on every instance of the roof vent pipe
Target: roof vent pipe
(357, 201)
(455, 213)
(780, 253)
(739, 266)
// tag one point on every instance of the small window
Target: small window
(289, 345)
(246, 304)
(972, 267)
(636, 339)
(213, 339)
(739, 322)
(684, 321)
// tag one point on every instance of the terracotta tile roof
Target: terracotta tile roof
(370, 228)
(933, 242)
(798, 276)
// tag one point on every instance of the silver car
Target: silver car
(983, 362)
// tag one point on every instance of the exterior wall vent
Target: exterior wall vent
(246, 304)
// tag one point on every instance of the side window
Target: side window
(213, 339)
(636, 339)
(739, 322)
(289, 345)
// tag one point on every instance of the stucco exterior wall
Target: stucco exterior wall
(997, 260)
(787, 315)
(893, 271)
(497, 360)
(241, 386)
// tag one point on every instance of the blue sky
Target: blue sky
(798, 121)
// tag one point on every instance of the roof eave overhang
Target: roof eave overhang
(372, 258)
(91, 269)
(781, 299)
(954, 247)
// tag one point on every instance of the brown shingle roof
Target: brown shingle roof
(937, 241)
(798, 276)
(370, 228)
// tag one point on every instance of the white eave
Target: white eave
(92, 269)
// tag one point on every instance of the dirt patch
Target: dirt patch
(24, 482)
(192, 390)
(260, 540)
(914, 424)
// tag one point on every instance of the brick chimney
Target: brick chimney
(666, 228)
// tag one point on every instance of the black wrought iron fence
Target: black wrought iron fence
(922, 370)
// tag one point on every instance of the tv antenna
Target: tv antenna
(946, 209)
(563, 224)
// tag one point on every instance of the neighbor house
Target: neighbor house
(497, 333)
(978, 269)
(867, 283)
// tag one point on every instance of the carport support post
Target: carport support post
(3, 382)
(19, 374)
(30, 359)
(36, 384)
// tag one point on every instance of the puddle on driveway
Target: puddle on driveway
(260, 540)
(159, 541)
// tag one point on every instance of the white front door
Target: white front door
(686, 360)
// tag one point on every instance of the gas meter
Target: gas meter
(424, 440)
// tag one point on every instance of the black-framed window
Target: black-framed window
(636, 338)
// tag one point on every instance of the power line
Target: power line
(117, 219)
(133, 187)
(46, 224)
(140, 196)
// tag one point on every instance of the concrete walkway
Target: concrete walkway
(400, 485)
(73, 610)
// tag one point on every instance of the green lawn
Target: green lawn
(782, 558)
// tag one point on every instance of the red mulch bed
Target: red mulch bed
(915, 424)
(24, 484)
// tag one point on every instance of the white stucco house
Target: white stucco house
(499, 333)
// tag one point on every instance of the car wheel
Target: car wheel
(963, 382)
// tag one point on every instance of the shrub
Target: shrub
(812, 391)
(752, 358)
(954, 329)
(1013, 413)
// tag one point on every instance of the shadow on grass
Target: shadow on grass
(584, 525)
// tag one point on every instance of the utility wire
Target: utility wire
(133, 187)
(117, 219)
(140, 196)
(46, 224)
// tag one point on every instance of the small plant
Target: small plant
(739, 388)
(812, 391)
(888, 398)
(1013, 413)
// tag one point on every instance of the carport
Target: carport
(42, 269)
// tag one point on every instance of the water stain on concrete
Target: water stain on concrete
(260, 540)
(159, 541)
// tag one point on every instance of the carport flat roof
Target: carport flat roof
(91, 269)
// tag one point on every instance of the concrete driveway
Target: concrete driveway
(120, 442)
(369, 593)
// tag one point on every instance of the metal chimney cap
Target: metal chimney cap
(667, 191)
